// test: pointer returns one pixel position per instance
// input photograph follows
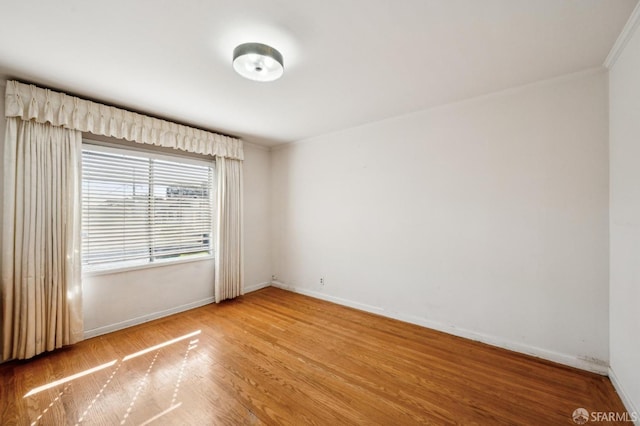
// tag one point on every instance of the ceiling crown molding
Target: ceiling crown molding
(624, 37)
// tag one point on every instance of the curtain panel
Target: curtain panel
(30, 102)
(41, 291)
(229, 273)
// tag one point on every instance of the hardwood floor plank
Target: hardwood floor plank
(275, 357)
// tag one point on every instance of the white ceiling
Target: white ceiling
(347, 62)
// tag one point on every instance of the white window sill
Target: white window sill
(156, 264)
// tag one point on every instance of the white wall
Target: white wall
(257, 251)
(624, 116)
(487, 218)
(117, 300)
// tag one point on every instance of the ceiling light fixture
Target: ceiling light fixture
(258, 62)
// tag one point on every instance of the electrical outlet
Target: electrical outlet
(274, 277)
(321, 280)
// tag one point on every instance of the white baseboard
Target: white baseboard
(626, 400)
(595, 366)
(146, 318)
(256, 287)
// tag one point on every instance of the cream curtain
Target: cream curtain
(41, 293)
(229, 274)
(30, 102)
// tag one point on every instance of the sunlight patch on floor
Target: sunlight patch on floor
(69, 378)
(174, 404)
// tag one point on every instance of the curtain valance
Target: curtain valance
(30, 102)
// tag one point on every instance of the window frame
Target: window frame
(174, 156)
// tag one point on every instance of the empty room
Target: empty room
(292, 212)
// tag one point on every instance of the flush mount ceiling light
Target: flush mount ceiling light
(258, 62)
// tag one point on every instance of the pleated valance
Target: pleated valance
(30, 102)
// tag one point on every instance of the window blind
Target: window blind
(139, 208)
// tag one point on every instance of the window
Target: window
(139, 208)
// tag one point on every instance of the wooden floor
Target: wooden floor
(275, 357)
